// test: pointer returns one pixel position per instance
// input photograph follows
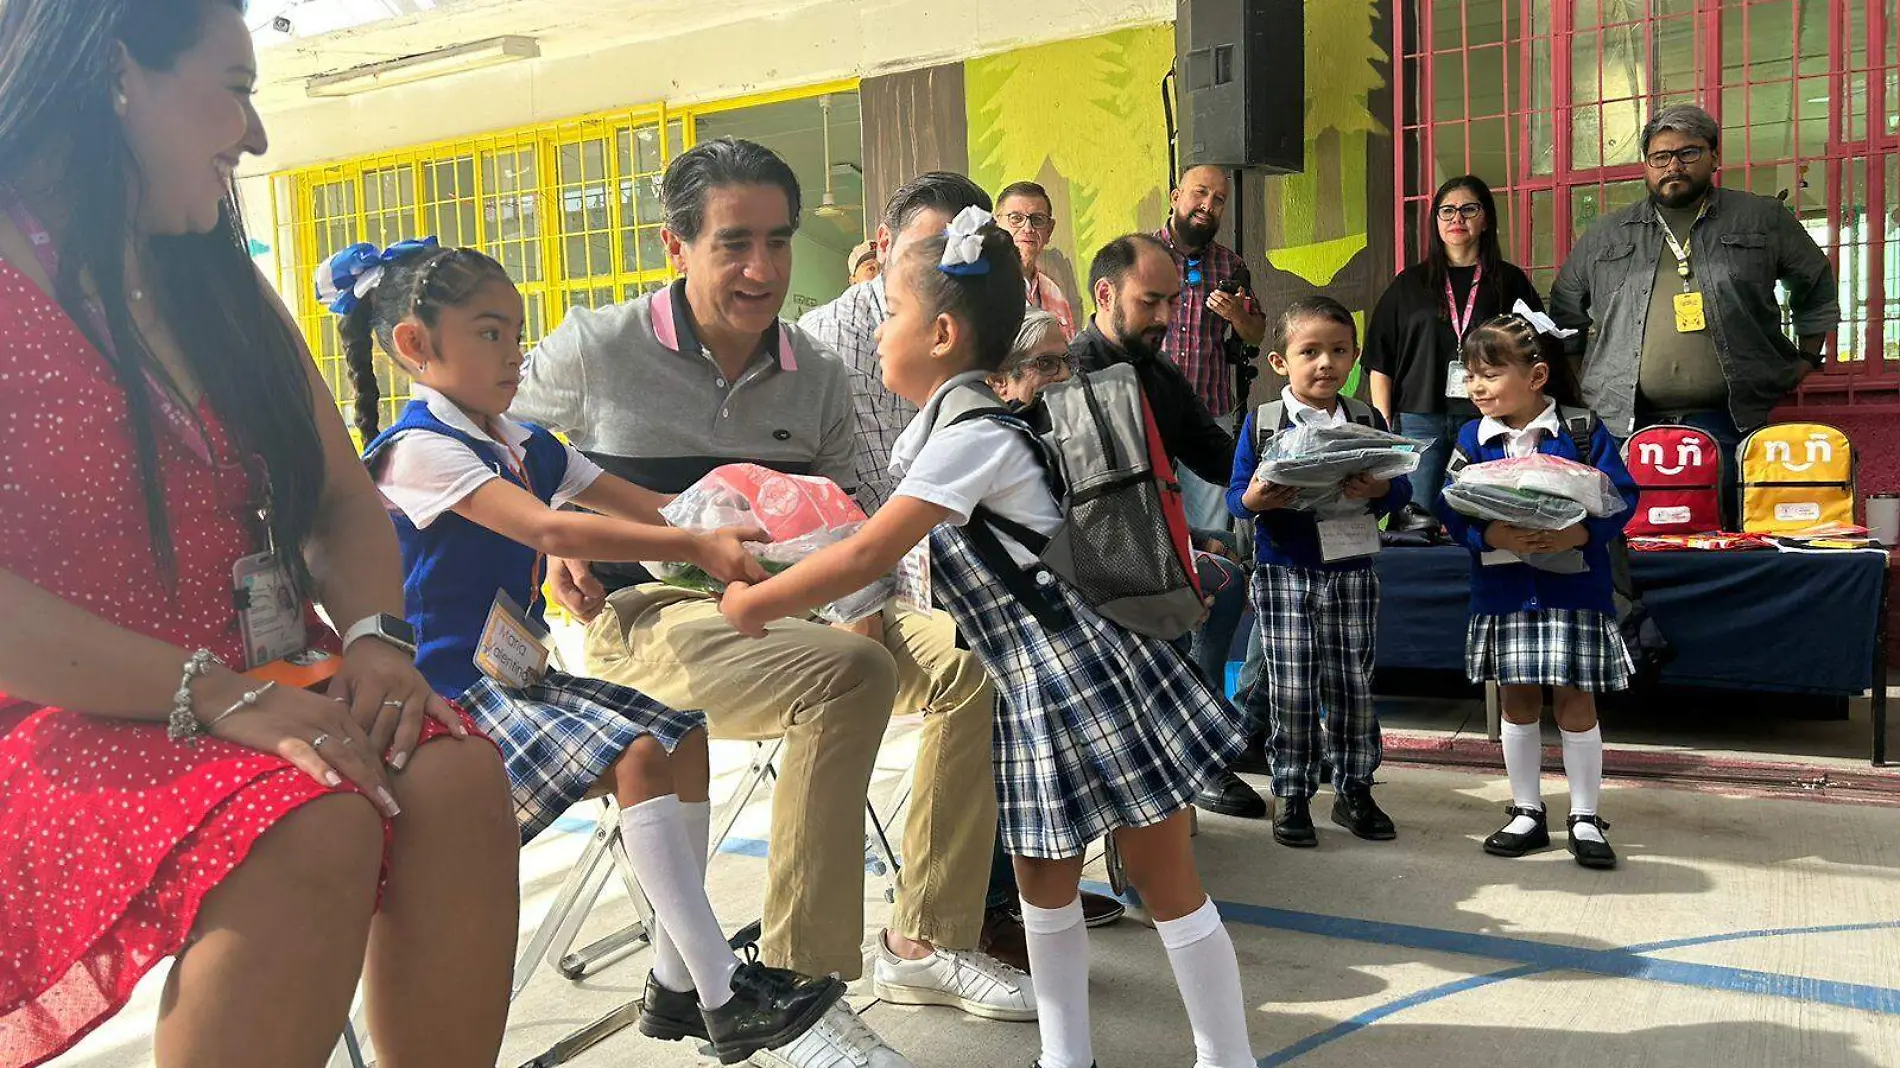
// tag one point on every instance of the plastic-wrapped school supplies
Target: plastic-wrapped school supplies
(803, 514)
(1537, 492)
(1316, 459)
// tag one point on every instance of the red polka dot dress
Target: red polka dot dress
(111, 835)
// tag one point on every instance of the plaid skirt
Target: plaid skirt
(1579, 648)
(1097, 728)
(559, 736)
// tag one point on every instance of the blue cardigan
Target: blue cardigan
(1503, 589)
(1289, 538)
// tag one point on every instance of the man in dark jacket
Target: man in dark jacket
(1137, 287)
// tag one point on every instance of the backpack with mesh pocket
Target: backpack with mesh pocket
(1796, 477)
(1123, 543)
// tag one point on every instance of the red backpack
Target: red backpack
(1678, 473)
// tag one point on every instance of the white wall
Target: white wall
(816, 42)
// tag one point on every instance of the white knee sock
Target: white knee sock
(1583, 765)
(668, 966)
(1059, 968)
(669, 871)
(1208, 974)
(1523, 762)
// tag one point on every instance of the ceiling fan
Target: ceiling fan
(828, 206)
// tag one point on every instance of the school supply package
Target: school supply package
(1124, 543)
(1536, 492)
(1316, 459)
(1796, 478)
(801, 513)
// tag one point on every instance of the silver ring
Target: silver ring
(392, 704)
(317, 742)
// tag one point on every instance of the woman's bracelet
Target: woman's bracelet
(183, 727)
(248, 700)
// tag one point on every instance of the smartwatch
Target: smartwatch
(391, 629)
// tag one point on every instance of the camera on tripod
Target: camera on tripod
(1240, 355)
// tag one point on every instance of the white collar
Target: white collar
(1490, 429)
(513, 434)
(1295, 408)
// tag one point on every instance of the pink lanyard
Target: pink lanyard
(1461, 320)
(183, 424)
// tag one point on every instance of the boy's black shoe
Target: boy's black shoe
(1355, 810)
(1506, 844)
(670, 1015)
(1293, 826)
(1414, 517)
(1227, 794)
(1253, 759)
(770, 1007)
(1588, 853)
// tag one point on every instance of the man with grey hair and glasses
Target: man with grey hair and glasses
(1674, 297)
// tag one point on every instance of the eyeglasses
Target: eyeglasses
(1686, 155)
(1044, 366)
(1448, 212)
(1038, 220)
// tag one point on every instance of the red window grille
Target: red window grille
(1546, 99)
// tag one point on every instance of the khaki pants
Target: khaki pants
(830, 694)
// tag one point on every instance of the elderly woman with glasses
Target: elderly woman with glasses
(1411, 350)
(1025, 210)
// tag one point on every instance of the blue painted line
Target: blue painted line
(1371, 1016)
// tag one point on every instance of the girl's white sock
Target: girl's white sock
(1059, 967)
(670, 874)
(1208, 974)
(1523, 762)
(1583, 764)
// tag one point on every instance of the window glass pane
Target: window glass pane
(448, 193)
(1448, 153)
(1485, 76)
(586, 225)
(389, 200)
(510, 211)
(1590, 202)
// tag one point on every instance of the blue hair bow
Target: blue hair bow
(347, 277)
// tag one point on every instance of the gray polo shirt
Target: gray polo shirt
(632, 387)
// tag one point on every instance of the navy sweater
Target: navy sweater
(1502, 589)
(1286, 537)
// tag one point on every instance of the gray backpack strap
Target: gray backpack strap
(1266, 422)
(1358, 411)
(1581, 423)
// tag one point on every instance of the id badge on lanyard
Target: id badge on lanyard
(1460, 323)
(269, 605)
(1691, 317)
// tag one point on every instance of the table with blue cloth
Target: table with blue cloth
(1788, 622)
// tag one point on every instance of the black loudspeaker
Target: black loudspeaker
(1240, 78)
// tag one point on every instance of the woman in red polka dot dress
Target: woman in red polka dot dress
(155, 802)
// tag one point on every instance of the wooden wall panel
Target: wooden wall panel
(913, 122)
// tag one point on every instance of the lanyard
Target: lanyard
(183, 424)
(1461, 320)
(1679, 247)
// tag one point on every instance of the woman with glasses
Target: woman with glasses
(1025, 210)
(1412, 340)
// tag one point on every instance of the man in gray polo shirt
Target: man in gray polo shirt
(662, 390)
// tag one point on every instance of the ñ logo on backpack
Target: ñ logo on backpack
(1688, 454)
(1819, 450)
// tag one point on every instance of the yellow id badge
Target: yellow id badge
(1689, 318)
(513, 647)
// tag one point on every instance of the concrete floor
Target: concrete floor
(1740, 931)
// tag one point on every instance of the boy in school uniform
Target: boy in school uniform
(1315, 596)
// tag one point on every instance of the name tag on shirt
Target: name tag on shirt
(513, 649)
(1348, 536)
(913, 579)
(269, 611)
(1455, 380)
(1689, 317)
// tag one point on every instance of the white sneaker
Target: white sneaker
(839, 1040)
(975, 982)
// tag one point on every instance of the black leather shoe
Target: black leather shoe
(670, 1015)
(770, 1007)
(1506, 844)
(1226, 794)
(1355, 810)
(1253, 759)
(1294, 824)
(1413, 517)
(1591, 854)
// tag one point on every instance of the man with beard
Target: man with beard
(1216, 318)
(1680, 290)
(1137, 293)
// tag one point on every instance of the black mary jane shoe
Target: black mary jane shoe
(1590, 854)
(1506, 844)
(1229, 795)
(1293, 824)
(1355, 810)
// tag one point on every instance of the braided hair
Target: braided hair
(1509, 339)
(988, 303)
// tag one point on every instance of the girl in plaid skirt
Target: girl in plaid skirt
(1532, 628)
(1099, 730)
(476, 500)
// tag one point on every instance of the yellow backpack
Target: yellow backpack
(1795, 476)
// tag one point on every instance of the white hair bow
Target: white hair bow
(963, 243)
(1540, 322)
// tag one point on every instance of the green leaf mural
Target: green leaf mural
(1084, 118)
